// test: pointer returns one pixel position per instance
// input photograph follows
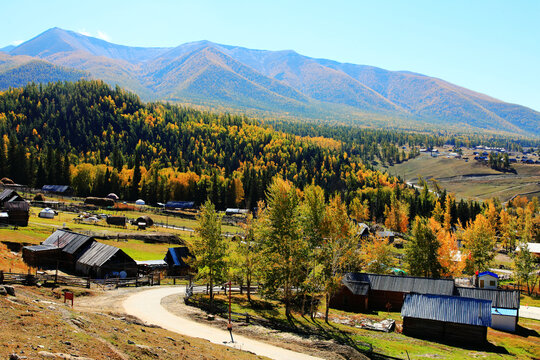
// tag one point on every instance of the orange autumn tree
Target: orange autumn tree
(449, 256)
(377, 256)
(479, 241)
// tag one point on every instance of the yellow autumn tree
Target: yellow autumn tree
(359, 210)
(397, 215)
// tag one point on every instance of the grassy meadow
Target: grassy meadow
(471, 179)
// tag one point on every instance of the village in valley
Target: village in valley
(294, 180)
(83, 249)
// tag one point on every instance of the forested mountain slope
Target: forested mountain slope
(281, 84)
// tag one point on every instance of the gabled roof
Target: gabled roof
(452, 309)
(508, 299)
(177, 254)
(407, 284)
(488, 273)
(98, 254)
(10, 195)
(63, 238)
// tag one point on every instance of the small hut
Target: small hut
(176, 261)
(47, 213)
(140, 202)
(144, 221)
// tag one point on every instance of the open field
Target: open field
(36, 324)
(470, 180)
(524, 345)
(39, 229)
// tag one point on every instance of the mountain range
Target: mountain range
(269, 83)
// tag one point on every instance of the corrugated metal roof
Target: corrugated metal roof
(62, 238)
(453, 309)
(97, 254)
(39, 247)
(406, 284)
(508, 299)
(7, 194)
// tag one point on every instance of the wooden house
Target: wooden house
(446, 318)
(176, 261)
(361, 291)
(101, 260)
(18, 212)
(63, 190)
(62, 248)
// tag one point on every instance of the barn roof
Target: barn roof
(177, 255)
(62, 238)
(508, 299)
(9, 195)
(236, 211)
(406, 284)
(97, 254)
(452, 309)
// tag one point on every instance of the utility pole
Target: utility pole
(229, 325)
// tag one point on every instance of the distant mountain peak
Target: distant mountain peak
(279, 83)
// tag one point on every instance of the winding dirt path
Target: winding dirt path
(146, 305)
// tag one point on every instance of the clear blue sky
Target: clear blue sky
(488, 46)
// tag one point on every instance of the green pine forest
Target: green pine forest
(100, 139)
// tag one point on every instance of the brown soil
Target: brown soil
(37, 325)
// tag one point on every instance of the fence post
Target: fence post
(1, 276)
(88, 282)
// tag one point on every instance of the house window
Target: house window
(491, 282)
(481, 283)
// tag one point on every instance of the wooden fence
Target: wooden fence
(69, 280)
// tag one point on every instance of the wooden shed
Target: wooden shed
(176, 261)
(101, 260)
(18, 212)
(41, 256)
(446, 318)
(9, 195)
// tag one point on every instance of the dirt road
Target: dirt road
(146, 305)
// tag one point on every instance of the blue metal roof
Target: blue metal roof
(504, 312)
(488, 273)
(452, 309)
(178, 254)
(180, 204)
(55, 188)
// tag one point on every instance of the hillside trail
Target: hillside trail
(146, 305)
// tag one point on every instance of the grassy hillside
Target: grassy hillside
(471, 180)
